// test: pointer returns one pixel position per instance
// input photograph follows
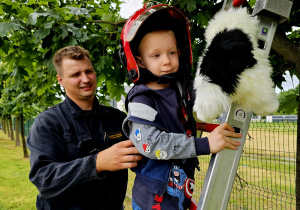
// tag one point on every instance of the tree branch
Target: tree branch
(288, 50)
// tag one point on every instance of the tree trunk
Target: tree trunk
(291, 54)
(23, 137)
(288, 50)
(7, 126)
(3, 125)
(18, 143)
(12, 136)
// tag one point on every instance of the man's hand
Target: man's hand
(219, 138)
(119, 156)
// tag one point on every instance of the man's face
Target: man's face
(78, 78)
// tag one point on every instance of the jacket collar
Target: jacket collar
(76, 111)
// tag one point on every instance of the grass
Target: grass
(16, 191)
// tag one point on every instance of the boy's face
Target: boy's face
(158, 53)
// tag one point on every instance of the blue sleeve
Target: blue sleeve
(202, 146)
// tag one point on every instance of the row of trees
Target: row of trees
(31, 31)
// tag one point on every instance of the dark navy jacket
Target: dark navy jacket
(63, 142)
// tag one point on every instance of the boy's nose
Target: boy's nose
(166, 59)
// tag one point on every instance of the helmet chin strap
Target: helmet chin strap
(147, 76)
(168, 78)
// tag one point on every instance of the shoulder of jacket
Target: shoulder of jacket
(112, 111)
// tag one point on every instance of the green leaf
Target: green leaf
(71, 41)
(6, 27)
(85, 37)
(42, 89)
(32, 20)
(18, 74)
(290, 104)
(189, 4)
(41, 34)
(79, 11)
(64, 31)
(74, 30)
(49, 24)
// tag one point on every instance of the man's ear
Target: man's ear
(139, 62)
(60, 80)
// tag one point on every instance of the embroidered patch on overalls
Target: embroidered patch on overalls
(165, 137)
(138, 134)
(177, 148)
(189, 187)
(146, 148)
(161, 154)
(149, 139)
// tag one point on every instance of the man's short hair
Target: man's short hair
(71, 52)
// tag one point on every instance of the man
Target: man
(79, 155)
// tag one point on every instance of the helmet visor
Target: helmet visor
(150, 9)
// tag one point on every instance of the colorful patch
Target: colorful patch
(189, 187)
(161, 154)
(146, 148)
(138, 134)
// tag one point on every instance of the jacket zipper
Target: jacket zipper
(105, 137)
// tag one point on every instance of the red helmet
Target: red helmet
(154, 12)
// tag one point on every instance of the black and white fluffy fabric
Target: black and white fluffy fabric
(233, 68)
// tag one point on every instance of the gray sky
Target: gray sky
(130, 6)
(290, 82)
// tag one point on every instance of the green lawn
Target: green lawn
(16, 191)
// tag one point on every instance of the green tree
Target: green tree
(30, 33)
(288, 101)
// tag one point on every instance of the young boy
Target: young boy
(160, 121)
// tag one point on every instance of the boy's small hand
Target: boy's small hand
(220, 138)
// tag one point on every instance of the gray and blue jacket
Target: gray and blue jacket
(154, 126)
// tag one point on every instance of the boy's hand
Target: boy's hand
(219, 138)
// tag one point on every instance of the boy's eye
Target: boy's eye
(156, 55)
